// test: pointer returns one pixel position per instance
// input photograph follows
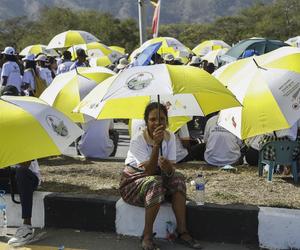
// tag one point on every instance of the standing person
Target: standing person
(148, 177)
(27, 178)
(81, 60)
(52, 65)
(66, 63)
(43, 70)
(28, 83)
(10, 74)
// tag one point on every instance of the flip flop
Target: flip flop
(191, 243)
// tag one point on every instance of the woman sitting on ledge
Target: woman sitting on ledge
(149, 177)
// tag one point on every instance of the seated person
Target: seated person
(27, 179)
(149, 175)
(96, 141)
(222, 147)
(255, 143)
(186, 148)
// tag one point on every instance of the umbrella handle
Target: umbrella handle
(158, 106)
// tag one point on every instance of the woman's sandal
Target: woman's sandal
(150, 245)
(191, 243)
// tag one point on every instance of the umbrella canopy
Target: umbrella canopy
(71, 37)
(118, 49)
(95, 49)
(144, 57)
(68, 89)
(268, 87)
(37, 49)
(127, 94)
(214, 56)
(169, 45)
(294, 41)
(31, 129)
(101, 61)
(259, 45)
(209, 45)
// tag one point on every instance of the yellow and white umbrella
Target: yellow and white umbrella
(101, 61)
(209, 45)
(68, 89)
(268, 86)
(32, 129)
(126, 95)
(38, 48)
(169, 45)
(294, 41)
(95, 49)
(214, 55)
(118, 49)
(71, 37)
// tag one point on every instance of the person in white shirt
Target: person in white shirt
(43, 70)
(81, 60)
(28, 83)
(222, 147)
(10, 74)
(66, 63)
(95, 142)
(150, 174)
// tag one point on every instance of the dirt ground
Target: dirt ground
(66, 174)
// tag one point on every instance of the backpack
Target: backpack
(40, 84)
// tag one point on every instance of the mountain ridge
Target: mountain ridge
(172, 11)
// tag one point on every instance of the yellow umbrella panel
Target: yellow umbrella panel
(31, 129)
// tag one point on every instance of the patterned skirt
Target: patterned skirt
(139, 189)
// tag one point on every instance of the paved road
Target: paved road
(75, 240)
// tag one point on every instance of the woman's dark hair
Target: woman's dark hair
(155, 105)
(12, 58)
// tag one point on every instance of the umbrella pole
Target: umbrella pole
(158, 107)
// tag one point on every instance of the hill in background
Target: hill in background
(172, 11)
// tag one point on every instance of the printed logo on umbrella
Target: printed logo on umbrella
(57, 125)
(139, 80)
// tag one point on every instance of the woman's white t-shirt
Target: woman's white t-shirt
(29, 78)
(140, 149)
(12, 71)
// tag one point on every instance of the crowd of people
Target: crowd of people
(149, 177)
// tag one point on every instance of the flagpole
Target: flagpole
(142, 20)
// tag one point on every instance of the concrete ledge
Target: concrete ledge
(89, 212)
(279, 228)
(14, 211)
(225, 223)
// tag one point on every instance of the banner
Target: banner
(155, 20)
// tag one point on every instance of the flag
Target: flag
(155, 20)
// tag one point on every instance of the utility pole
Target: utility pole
(142, 21)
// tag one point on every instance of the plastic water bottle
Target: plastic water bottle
(3, 218)
(200, 189)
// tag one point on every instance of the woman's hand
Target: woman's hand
(158, 134)
(165, 165)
